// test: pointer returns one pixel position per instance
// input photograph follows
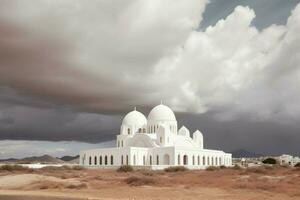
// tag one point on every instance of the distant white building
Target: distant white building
(288, 160)
(155, 143)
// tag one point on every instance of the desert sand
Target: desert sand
(232, 184)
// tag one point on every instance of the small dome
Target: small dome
(198, 133)
(135, 118)
(161, 113)
(184, 131)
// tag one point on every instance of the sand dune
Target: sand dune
(224, 184)
(30, 180)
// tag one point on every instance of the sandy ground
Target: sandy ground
(225, 184)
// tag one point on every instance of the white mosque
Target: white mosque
(155, 143)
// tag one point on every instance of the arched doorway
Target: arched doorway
(166, 159)
(185, 160)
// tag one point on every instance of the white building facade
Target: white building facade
(155, 143)
(288, 160)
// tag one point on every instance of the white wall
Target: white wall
(167, 156)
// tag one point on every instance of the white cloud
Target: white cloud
(232, 65)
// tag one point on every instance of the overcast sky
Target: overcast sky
(70, 70)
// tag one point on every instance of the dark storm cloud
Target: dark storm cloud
(24, 117)
(260, 136)
(70, 70)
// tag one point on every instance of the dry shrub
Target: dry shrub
(49, 185)
(138, 181)
(212, 168)
(77, 167)
(176, 169)
(64, 167)
(271, 167)
(125, 168)
(160, 172)
(52, 168)
(147, 172)
(257, 170)
(77, 186)
(237, 167)
(14, 168)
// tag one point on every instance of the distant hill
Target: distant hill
(8, 160)
(242, 153)
(69, 158)
(41, 159)
(47, 159)
(34, 159)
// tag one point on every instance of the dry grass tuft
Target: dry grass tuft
(176, 169)
(125, 168)
(257, 170)
(237, 167)
(212, 168)
(147, 172)
(49, 185)
(77, 186)
(12, 168)
(61, 168)
(139, 181)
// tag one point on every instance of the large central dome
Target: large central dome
(161, 113)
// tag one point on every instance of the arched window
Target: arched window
(193, 160)
(203, 160)
(95, 160)
(144, 160)
(220, 161)
(100, 160)
(144, 130)
(154, 129)
(134, 160)
(216, 161)
(198, 160)
(122, 143)
(208, 161)
(127, 162)
(157, 160)
(122, 161)
(128, 131)
(140, 130)
(90, 160)
(212, 161)
(118, 143)
(185, 160)
(150, 160)
(105, 160)
(178, 159)
(160, 139)
(111, 160)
